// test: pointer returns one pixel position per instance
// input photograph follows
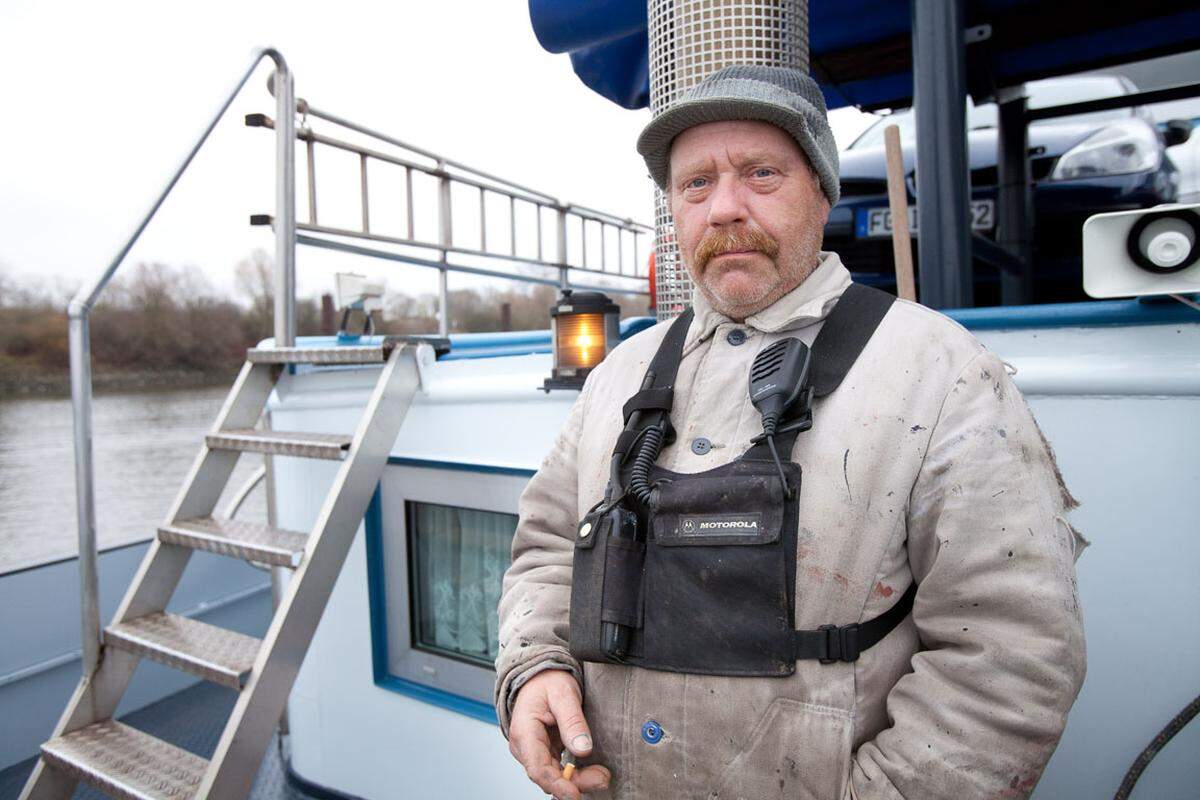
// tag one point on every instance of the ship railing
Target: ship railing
(485, 224)
(579, 242)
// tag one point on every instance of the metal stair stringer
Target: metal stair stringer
(96, 698)
(242, 745)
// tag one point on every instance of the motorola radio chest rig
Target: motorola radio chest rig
(697, 572)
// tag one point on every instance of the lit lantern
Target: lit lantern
(583, 326)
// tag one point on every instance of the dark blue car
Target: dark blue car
(1081, 165)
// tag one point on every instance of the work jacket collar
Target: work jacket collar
(809, 302)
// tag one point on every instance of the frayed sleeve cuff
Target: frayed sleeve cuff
(515, 678)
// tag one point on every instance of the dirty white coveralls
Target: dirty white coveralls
(924, 465)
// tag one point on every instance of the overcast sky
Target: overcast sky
(101, 100)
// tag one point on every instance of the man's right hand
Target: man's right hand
(546, 715)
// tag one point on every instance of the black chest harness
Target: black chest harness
(697, 572)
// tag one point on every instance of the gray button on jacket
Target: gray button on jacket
(925, 465)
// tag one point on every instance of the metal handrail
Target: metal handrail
(527, 195)
(414, 160)
(445, 170)
(80, 307)
(414, 261)
(467, 251)
(470, 176)
(304, 107)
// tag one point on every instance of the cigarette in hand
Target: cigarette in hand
(569, 765)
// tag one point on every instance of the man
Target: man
(923, 468)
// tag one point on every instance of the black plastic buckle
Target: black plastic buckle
(840, 644)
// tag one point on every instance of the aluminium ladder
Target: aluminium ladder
(88, 745)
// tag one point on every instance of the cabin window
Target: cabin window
(458, 559)
(438, 542)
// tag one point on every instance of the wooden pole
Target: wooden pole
(906, 287)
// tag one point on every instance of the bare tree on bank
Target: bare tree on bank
(170, 322)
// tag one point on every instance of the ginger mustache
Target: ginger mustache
(734, 240)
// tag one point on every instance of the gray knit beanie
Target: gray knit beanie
(785, 97)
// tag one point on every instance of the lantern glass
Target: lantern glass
(585, 329)
(581, 340)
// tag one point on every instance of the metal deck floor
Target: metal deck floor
(192, 719)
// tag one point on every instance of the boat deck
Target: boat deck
(192, 719)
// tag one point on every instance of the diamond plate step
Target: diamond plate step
(215, 654)
(250, 541)
(318, 355)
(125, 763)
(282, 443)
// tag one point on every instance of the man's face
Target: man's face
(749, 213)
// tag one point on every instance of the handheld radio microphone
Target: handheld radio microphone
(778, 379)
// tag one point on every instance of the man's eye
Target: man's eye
(697, 183)
(763, 172)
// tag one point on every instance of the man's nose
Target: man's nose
(727, 204)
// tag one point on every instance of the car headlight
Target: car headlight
(1122, 147)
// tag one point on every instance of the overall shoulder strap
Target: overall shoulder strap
(846, 332)
(658, 398)
(847, 329)
(666, 361)
(664, 366)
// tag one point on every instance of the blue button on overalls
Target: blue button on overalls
(652, 732)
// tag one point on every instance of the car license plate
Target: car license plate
(875, 222)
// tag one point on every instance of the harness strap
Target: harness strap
(665, 363)
(659, 398)
(845, 333)
(830, 643)
(847, 329)
(665, 366)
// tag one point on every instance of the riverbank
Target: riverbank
(35, 383)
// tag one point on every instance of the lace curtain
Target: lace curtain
(461, 557)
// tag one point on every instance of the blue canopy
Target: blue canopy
(861, 50)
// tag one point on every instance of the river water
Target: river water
(144, 443)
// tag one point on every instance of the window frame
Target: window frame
(399, 665)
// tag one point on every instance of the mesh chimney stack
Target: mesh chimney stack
(688, 40)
